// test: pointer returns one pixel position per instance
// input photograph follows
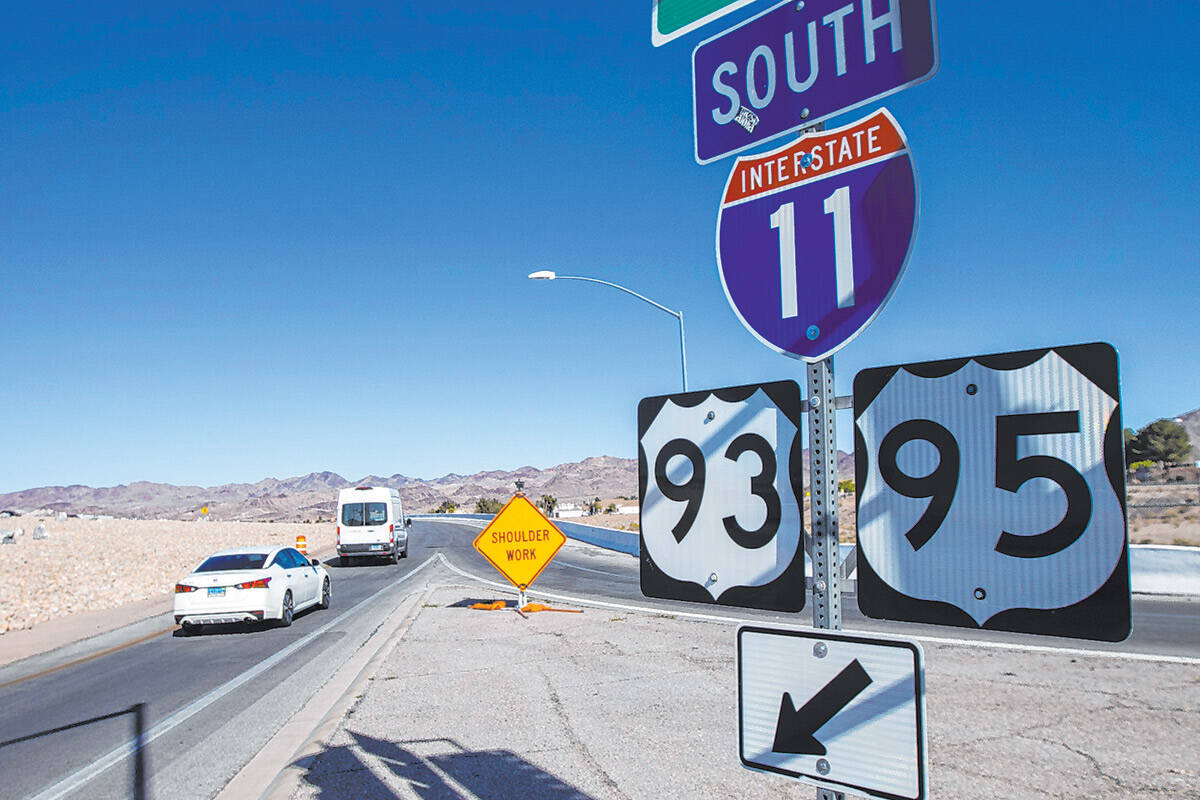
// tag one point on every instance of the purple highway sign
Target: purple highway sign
(812, 237)
(800, 63)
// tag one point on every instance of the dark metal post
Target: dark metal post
(139, 752)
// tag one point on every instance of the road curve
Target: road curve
(215, 699)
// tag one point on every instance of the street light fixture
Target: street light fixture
(550, 275)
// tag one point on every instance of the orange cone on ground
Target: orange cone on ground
(302, 544)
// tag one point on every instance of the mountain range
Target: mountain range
(314, 496)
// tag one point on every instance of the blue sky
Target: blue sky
(260, 241)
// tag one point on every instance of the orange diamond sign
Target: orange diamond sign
(520, 541)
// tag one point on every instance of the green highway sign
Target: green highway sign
(673, 18)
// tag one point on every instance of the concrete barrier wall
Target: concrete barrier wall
(621, 541)
(1154, 569)
(1164, 569)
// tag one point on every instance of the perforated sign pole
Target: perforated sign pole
(822, 470)
(822, 450)
(823, 499)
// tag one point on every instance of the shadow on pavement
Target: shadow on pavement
(334, 562)
(372, 767)
(137, 789)
(470, 601)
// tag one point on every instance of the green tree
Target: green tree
(447, 507)
(846, 486)
(594, 506)
(1164, 441)
(488, 505)
(547, 503)
(611, 508)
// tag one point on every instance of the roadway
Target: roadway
(212, 701)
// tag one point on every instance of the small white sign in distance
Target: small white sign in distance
(721, 491)
(839, 711)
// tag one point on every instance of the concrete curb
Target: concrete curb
(276, 770)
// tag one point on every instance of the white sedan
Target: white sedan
(250, 584)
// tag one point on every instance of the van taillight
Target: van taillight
(339, 534)
(391, 528)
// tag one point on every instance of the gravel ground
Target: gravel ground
(89, 565)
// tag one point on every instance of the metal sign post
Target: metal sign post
(822, 470)
(822, 465)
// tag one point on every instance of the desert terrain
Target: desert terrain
(90, 565)
(96, 564)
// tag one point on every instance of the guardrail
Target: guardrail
(1154, 569)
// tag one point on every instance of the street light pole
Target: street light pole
(550, 275)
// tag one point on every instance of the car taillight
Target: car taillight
(261, 583)
(183, 588)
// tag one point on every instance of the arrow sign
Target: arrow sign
(794, 733)
(863, 695)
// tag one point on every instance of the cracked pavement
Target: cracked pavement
(628, 705)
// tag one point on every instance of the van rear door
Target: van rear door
(365, 522)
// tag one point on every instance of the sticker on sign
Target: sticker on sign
(800, 63)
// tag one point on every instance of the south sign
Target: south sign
(800, 63)
(812, 238)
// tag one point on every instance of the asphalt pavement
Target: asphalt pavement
(630, 698)
(638, 702)
(208, 702)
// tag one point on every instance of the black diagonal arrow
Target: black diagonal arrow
(795, 729)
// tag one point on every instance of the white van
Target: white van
(371, 523)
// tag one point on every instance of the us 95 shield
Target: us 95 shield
(991, 493)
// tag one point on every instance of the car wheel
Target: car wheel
(288, 611)
(405, 553)
(395, 554)
(325, 594)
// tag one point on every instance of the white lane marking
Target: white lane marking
(115, 756)
(1028, 648)
(470, 523)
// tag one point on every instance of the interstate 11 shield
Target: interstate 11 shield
(812, 238)
(991, 493)
(721, 488)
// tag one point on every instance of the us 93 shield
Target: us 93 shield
(991, 493)
(721, 490)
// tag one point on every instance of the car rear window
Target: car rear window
(364, 514)
(234, 561)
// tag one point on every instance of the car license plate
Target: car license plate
(216, 591)
(376, 547)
